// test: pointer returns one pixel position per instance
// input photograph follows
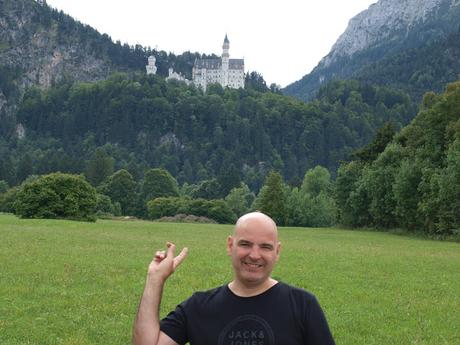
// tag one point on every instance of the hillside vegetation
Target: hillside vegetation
(415, 182)
(142, 121)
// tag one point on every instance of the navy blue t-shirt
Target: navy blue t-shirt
(282, 315)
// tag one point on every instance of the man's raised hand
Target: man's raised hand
(164, 263)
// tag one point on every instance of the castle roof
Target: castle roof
(208, 63)
(217, 63)
(236, 64)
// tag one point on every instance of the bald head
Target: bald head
(256, 219)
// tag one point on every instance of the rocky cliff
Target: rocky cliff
(32, 39)
(385, 28)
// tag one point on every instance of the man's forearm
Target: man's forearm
(146, 329)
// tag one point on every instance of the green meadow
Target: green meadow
(74, 283)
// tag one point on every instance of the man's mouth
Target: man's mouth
(252, 264)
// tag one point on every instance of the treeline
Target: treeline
(411, 181)
(408, 179)
(227, 134)
(70, 196)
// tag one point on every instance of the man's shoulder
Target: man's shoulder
(207, 295)
(297, 292)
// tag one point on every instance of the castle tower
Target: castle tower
(225, 61)
(151, 67)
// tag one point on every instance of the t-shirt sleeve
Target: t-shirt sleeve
(317, 330)
(175, 324)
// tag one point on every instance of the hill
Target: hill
(144, 121)
(41, 46)
(66, 90)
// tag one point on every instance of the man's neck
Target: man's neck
(244, 290)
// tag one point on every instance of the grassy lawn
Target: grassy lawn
(64, 282)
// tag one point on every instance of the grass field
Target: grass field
(73, 283)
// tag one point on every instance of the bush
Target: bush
(57, 195)
(7, 200)
(217, 210)
(105, 207)
(163, 207)
(183, 218)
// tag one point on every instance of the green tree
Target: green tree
(382, 176)
(99, 167)
(449, 192)
(348, 177)
(56, 195)
(7, 200)
(105, 207)
(407, 194)
(240, 199)
(317, 180)
(219, 211)
(165, 207)
(157, 183)
(121, 188)
(3, 186)
(207, 189)
(25, 167)
(271, 199)
(383, 137)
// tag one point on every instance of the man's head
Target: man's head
(254, 249)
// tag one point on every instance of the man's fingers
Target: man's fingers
(182, 255)
(171, 249)
(159, 255)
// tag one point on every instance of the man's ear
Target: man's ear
(278, 251)
(229, 245)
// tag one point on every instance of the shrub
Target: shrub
(57, 195)
(217, 210)
(105, 207)
(7, 200)
(163, 207)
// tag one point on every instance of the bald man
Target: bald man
(253, 309)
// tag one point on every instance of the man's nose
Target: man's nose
(255, 253)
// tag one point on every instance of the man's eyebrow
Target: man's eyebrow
(267, 245)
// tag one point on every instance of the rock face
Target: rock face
(33, 41)
(379, 23)
(386, 27)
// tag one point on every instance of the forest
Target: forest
(225, 152)
(358, 154)
(143, 121)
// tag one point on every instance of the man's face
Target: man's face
(254, 249)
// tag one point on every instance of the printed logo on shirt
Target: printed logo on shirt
(247, 330)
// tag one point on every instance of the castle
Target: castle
(224, 71)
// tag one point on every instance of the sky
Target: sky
(281, 39)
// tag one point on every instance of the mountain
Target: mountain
(66, 91)
(386, 37)
(40, 45)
